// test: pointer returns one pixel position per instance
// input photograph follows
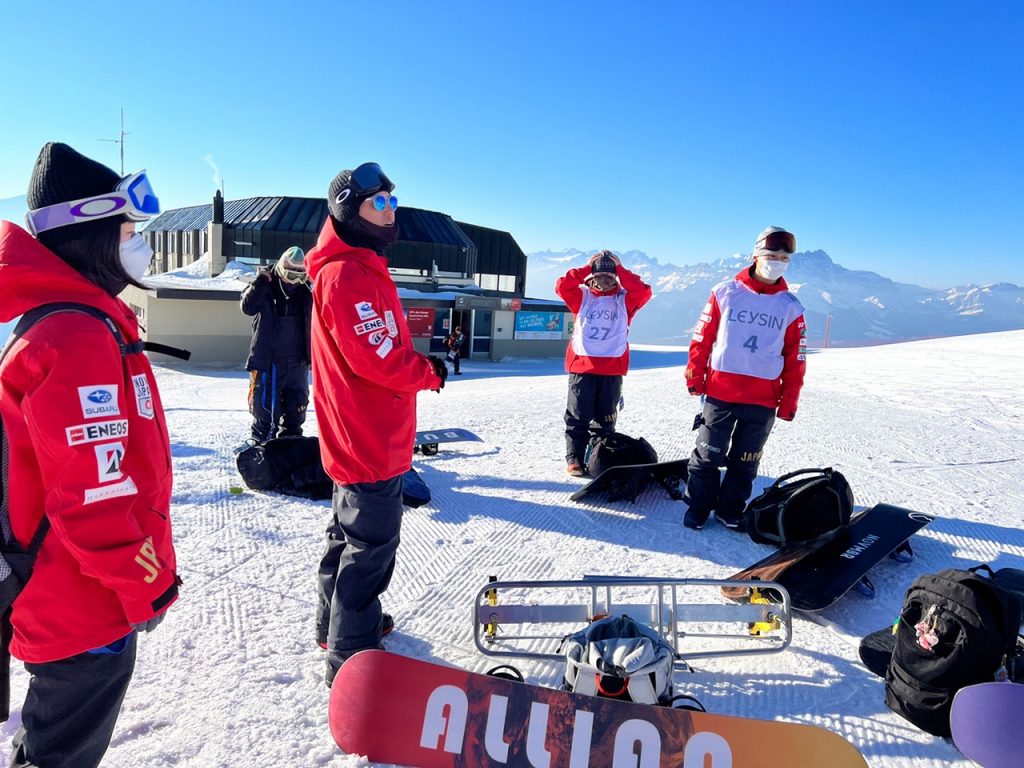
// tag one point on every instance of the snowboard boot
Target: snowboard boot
(576, 470)
(695, 520)
(734, 522)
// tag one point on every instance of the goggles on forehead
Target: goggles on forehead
(133, 197)
(380, 202)
(369, 178)
(778, 241)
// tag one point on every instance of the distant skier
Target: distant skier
(454, 343)
(280, 304)
(604, 296)
(747, 358)
(366, 376)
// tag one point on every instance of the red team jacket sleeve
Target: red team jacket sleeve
(391, 363)
(637, 291)
(568, 287)
(794, 353)
(105, 533)
(704, 335)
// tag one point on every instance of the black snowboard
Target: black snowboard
(628, 480)
(427, 442)
(817, 574)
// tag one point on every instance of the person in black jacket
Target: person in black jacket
(280, 303)
(454, 343)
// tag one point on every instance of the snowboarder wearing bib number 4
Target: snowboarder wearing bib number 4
(747, 358)
(604, 296)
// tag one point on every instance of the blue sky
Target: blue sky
(889, 134)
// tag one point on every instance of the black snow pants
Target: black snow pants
(278, 398)
(356, 568)
(591, 411)
(731, 435)
(71, 707)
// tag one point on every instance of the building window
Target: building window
(487, 282)
(507, 283)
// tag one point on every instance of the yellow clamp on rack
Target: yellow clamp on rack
(760, 627)
(491, 629)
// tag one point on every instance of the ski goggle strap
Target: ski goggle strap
(133, 197)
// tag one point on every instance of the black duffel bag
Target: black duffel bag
(800, 506)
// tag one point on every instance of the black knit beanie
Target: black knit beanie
(604, 263)
(61, 174)
(90, 247)
(343, 200)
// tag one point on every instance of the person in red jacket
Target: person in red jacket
(365, 378)
(604, 296)
(747, 361)
(87, 453)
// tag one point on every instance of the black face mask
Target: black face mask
(362, 234)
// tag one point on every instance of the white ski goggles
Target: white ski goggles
(133, 197)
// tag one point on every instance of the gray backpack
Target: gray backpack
(619, 658)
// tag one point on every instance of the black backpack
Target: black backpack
(292, 466)
(616, 450)
(800, 506)
(957, 628)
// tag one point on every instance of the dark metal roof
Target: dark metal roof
(181, 219)
(305, 214)
(422, 226)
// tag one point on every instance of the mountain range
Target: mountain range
(865, 307)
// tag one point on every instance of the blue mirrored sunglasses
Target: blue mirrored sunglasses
(380, 202)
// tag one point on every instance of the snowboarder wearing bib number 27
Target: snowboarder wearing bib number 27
(747, 358)
(604, 296)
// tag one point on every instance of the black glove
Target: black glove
(149, 626)
(439, 368)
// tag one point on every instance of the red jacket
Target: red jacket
(569, 290)
(88, 446)
(758, 354)
(365, 371)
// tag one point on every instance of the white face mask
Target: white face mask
(770, 270)
(136, 256)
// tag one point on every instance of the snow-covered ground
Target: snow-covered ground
(233, 677)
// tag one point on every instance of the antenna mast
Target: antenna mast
(120, 140)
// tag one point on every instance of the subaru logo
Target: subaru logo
(99, 396)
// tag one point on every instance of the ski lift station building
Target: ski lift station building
(448, 273)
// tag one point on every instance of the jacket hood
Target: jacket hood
(31, 274)
(329, 247)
